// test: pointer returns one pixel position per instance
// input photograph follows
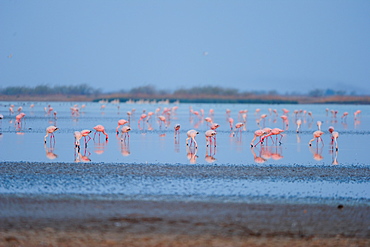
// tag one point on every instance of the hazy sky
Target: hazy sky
(251, 45)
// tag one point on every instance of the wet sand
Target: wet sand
(91, 220)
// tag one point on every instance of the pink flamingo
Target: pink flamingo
(214, 126)
(334, 136)
(319, 123)
(285, 121)
(142, 117)
(124, 132)
(85, 133)
(50, 130)
(210, 134)
(344, 116)
(177, 130)
(100, 128)
(275, 132)
(162, 119)
(231, 122)
(120, 123)
(316, 135)
(191, 136)
(19, 117)
(208, 120)
(356, 113)
(78, 136)
(298, 122)
(239, 126)
(257, 133)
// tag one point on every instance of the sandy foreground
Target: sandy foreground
(74, 222)
(34, 220)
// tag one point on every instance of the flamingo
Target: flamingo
(19, 118)
(316, 135)
(214, 126)
(177, 129)
(238, 126)
(210, 134)
(100, 128)
(334, 136)
(85, 133)
(298, 122)
(319, 123)
(276, 132)
(142, 117)
(191, 136)
(124, 132)
(257, 133)
(285, 121)
(208, 120)
(78, 136)
(162, 119)
(50, 130)
(231, 121)
(120, 123)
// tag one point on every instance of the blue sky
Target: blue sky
(250, 45)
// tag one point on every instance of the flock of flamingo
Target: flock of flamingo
(164, 116)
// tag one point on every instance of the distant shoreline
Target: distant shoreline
(251, 99)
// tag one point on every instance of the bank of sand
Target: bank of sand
(89, 222)
(63, 219)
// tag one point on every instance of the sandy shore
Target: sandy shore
(61, 218)
(89, 222)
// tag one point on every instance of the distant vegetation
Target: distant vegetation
(42, 90)
(201, 94)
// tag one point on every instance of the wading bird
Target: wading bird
(100, 128)
(316, 135)
(124, 132)
(85, 133)
(191, 136)
(50, 130)
(257, 133)
(120, 123)
(210, 135)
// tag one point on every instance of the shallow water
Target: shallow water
(151, 142)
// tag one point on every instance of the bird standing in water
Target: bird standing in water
(100, 129)
(50, 130)
(85, 133)
(120, 123)
(210, 134)
(124, 132)
(191, 136)
(316, 135)
(257, 133)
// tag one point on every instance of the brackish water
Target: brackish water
(153, 143)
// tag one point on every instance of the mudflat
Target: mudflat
(29, 221)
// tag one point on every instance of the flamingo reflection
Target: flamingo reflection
(125, 148)
(257, 159)
(334, 157)
(210, 153)
(191, 154)
(50, 152)
(316, 152)
(99, 147)
(81, 157)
